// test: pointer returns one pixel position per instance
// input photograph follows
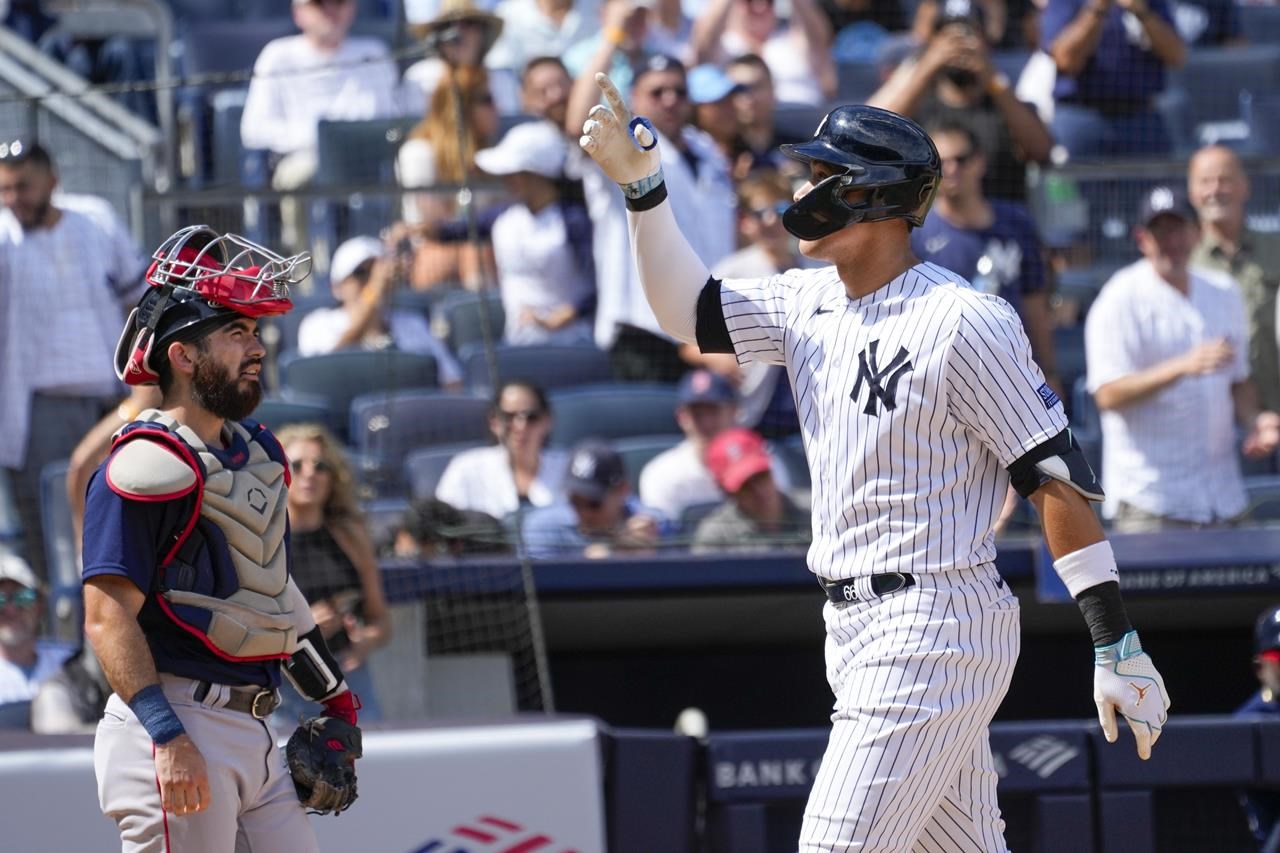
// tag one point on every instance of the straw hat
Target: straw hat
(456, 11)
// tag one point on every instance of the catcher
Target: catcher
(188, 600)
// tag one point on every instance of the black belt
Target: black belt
(845, 591)
(257, 703)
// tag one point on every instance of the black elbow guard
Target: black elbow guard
(712, 330)
(312, 668)
(1059, 458)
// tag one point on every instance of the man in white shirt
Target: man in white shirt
(362, 277)
(1167, 349)
(703, 198)
(679, 478)
(24, 662)
(64, 283)
(321, 73)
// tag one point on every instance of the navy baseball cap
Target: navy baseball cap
(652, 63)
(594, 469)
(960, 12)
(1165, 200)
(703, 386)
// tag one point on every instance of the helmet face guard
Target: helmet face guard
(200, 280)
(824, 210)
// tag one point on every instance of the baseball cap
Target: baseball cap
(14, 568)
(960, 12)
(652, 63)
(1163, 200)
(534, 146)
(703, 386)
(1266, 632)
(735, 456)
(351, 254)
(594, 469)
(709, 83)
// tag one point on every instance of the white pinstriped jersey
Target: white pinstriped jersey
(913, 400)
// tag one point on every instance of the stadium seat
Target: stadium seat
(548, 366)
(1264, 497)
(637, 452)
(227, 44)
(389, 426)
(61, 562)
(274, 413)
(356, 153)
(1261, 24)
(612, 411)
(1213, 80)
(382, 517)
(462, 314)
(341, 376)
(423, 467)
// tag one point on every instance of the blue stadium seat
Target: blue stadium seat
(548, 366)
(382, 517)
(637, 452)
(1261, 24)
(612, 411)
(423, 467)
(341, 376)
(360, 153)
(275, 413)
(1212, 81)
(62, 564)
(389, 426)
(462, 313)
(224, 45)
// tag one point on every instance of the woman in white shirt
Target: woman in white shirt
(436, 153)
(517, 473)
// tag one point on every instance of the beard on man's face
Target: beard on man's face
(217, 391)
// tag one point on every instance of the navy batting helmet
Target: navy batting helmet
(1266, 633)
(880, 151)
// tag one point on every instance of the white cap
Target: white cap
(534, 146)
(351, 254)
(14, 568)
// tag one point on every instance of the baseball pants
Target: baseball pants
(917, 675)
(253, 807)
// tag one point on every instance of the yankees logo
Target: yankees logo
(882, 382)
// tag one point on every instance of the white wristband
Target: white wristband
(1090, 566)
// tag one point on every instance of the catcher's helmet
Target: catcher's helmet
(877, 150)
(1266, 633)
(199, 281)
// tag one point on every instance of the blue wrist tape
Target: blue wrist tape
(156, 714)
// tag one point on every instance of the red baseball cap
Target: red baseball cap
(735, 456)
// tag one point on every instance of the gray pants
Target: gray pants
(253, 807)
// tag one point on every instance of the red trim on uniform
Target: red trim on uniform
(164, 816)
(204, 638)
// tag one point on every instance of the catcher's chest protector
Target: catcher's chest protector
(249, 507)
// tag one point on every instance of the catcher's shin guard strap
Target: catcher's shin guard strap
(312, 668)
(1104, 613)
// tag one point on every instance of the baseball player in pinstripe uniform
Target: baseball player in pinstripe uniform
(920, 404)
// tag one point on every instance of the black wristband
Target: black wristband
(649, 200)
(1104, 613)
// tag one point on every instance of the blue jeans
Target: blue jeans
(1088, 133)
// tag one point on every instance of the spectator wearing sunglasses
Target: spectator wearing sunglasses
(600, 515)
(25, 661)
(520, 472)
(332, 560)
(363, 275)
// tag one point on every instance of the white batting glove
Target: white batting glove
(626, 149)
(1125, 678)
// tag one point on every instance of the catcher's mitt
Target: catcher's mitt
(322, 757)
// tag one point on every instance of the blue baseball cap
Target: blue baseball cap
(709, 83)
(594, 468)
(703, 386)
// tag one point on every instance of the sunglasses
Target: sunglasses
(318, 465)
(960, 159)
(679, 91)
(23, 598)
(770, 211)
(529, 416)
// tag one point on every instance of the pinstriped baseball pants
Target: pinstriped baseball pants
(917, 676)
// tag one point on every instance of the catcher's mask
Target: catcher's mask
(889, 156)
(200, 280)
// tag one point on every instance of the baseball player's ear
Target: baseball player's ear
(180, 359)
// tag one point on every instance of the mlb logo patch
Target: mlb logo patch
(1047, 396)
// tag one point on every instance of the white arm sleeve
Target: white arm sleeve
(670, 272)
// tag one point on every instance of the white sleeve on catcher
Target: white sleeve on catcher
(670, 271)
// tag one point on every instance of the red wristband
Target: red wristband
(343, 706)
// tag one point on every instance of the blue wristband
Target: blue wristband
(156, 714)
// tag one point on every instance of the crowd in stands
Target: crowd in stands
(1181, 348)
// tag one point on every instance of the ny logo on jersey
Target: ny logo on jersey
(881, 382)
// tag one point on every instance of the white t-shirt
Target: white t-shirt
(677, 479)
(62, 296)
(705, 207)
(320, 330)
(481, 479)
(1174, 452)
(536, 271)
(295, 85)
(18, 686)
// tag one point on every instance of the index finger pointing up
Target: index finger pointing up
(614, 98)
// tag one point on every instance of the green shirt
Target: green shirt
(728, 529)
(1256, 266)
